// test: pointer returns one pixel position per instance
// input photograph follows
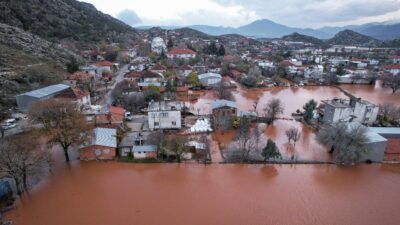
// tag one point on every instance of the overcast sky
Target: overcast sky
(235, 13)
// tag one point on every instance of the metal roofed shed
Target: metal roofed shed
(105, 137)
(25, 100)
(222, 103)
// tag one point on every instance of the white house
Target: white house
(393, 69)
(210, 79)
(158, 45)
(185, 70)
(354, 110)
(181, 53)
(314, 71)
(165, 115)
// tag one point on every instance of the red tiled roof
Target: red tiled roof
(73, 94)
(78, 76)
(355, 59)
(185, 67)
(158, 67)
(393, 67)
(286, 63)
(235, 73)
(393, 56)
(133, 74)
(182, 89)
(116, 110)
(180, 51)
(148, 73)
(104, 63)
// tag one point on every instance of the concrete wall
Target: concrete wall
(377, 152)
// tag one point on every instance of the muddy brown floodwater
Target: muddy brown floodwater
(123, 194)
(293, 98)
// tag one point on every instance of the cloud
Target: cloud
(295, 13)
(316, 12)
(129, 17)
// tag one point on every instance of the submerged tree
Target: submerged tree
(23, 158)
(244, 140)
(309, 108)
(392, 81)
(348, 142)
(293, 134)
(61, 123)
(176, 146)
(272, 109)
(271, 151)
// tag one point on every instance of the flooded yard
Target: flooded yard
(293, 98)
(94, 193)
(104, 193)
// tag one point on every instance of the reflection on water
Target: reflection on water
(293, 98)
(114, 193)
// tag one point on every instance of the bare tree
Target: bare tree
(61, 123)
(23, 158)
(389, 112)
(244, 141)
(348, 142)
(175, 145)
(207, 148)
(222, 123)
(223, 92)
(257, 135)
(272, 109)
(391, 81)
(255, 105)
(293, 134)
(134, 102)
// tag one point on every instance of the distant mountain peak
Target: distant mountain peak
(349, 37)
(297, 37)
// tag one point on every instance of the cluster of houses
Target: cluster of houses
(305, 65)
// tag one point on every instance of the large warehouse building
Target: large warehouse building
(25, 100)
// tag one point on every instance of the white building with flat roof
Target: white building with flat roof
(165, 115)
(354, 110)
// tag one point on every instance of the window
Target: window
(164, 115)
(174, 123)
(156, 124)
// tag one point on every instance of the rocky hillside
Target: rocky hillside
(302, 38)
(391, 44)
(349, 37)
(64, 20)
(32, 44)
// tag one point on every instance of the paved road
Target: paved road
(118, 78)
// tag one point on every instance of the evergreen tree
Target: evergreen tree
(170, 44)
(213, 49)
(221, 50)
(309, 108)
(72, 65)
(271, 151)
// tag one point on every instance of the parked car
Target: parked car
(128, 116)
(9, 123)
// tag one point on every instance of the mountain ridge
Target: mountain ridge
(265, 28)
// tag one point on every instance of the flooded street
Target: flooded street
(115, 193)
